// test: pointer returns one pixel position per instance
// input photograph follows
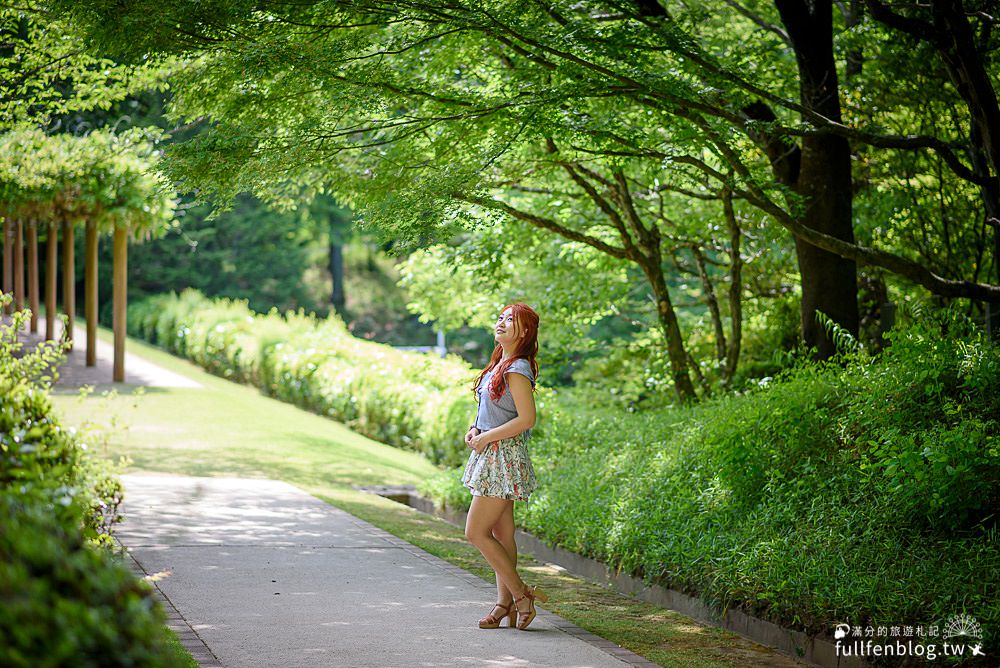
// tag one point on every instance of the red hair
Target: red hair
(526, 323)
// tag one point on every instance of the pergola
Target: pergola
(105, 183)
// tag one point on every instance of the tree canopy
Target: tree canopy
(45, 71)
(868, 132)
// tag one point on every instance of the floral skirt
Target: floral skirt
(506, 473)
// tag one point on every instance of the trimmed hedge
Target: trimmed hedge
(408, 400)
(66, 600)
(862, 490)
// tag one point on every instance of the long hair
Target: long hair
(526, 324)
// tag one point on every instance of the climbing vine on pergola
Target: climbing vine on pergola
(105, 182)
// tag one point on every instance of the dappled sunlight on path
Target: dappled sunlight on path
(270, 576)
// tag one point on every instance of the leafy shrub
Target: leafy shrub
(927, 423)
(38, 454)
(404, 399)
(66, 601)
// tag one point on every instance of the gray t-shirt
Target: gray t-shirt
(492, 413)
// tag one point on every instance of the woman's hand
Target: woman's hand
(479, 442)
(468, 436)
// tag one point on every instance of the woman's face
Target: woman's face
(506, 332)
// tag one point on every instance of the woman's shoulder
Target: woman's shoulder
(522, 366)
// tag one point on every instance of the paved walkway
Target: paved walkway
(74, 372)
(267, 575)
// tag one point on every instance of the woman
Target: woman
(499, 470)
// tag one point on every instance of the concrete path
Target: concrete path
(74, 372)
(267, 575)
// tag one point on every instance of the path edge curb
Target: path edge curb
(623, 654)
(817, 652)
(189, 638)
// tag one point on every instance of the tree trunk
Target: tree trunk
(51, 262)
(337, 276)
(713, 305)
(735, 287)
(8, 261)
(90, 291)
(19, 265)
(33, 300)
(971, 78)
(829, 282)
(855, 59)
(990, 191)
(120, 299)
(676, 352)
(969, 75)
(69, 281)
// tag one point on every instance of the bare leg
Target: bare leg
(503, 531)
(484, 513)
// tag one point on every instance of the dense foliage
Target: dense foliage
(67, 600)
(647, 131)
(270, 258)
(43, 72)
(67, 603)
(249, 252)
(404, 399)
(864, 491)
(676, 186)
(600, 328)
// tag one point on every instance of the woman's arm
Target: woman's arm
(524, 402)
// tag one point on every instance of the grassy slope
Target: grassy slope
(226, 429)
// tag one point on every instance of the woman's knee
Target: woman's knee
(502, 533)
(483, 516)
(475, 534)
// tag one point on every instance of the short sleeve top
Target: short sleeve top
(492, 413)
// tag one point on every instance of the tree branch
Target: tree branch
(915, 27)
(713, 303)
(760, 21)
(601, 203)
(649, 237)
(544, 223)
(898, 265)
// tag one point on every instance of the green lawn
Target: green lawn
(227, 429)
(183, 657)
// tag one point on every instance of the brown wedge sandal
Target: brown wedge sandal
(531, 593)
(491, 621)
